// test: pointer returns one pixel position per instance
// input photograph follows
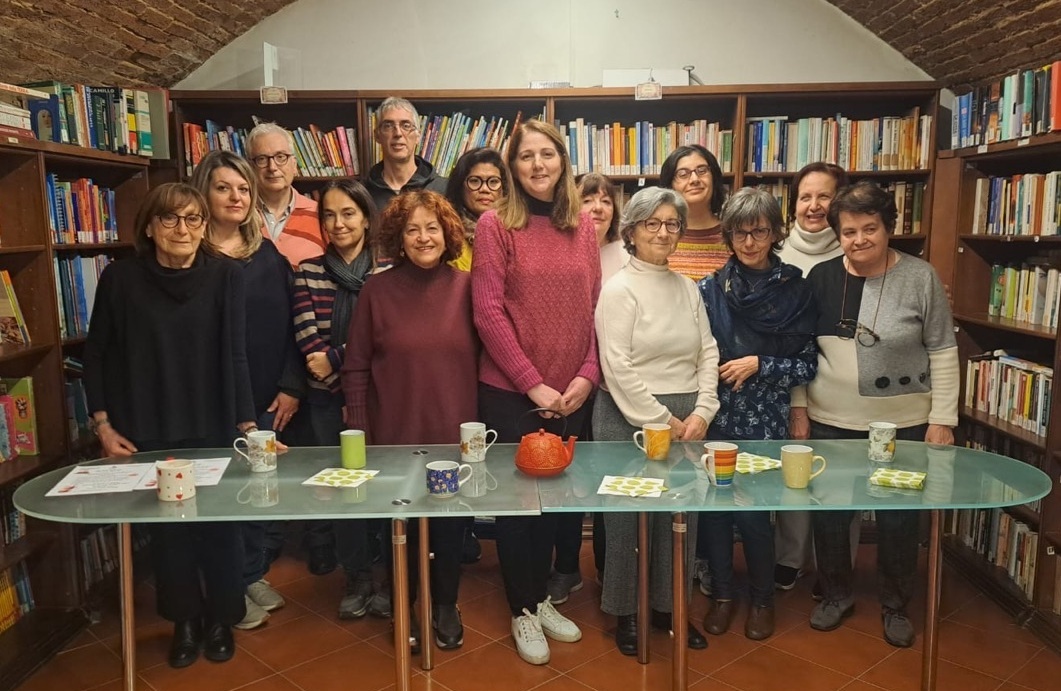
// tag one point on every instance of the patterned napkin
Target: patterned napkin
(340, 477)
(631, 486)
(750, 463)
(890, 477)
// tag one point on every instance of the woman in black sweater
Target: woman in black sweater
(166, 368)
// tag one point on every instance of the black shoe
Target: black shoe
(322, 560)
(663, 622)
(626, 634)
(785, 576)
(187, 639)
(472, 551)
(449, 631)
(218, 645)
(694, 639)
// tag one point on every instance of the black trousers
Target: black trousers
(198, 571)
(897, 537)
(525, 543)
(446, 540)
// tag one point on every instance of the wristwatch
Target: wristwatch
(95, 424)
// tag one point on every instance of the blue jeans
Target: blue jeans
(757, 537)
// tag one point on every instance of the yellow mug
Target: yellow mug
(797, 462)
(654, 440)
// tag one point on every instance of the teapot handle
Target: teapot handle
(563, 432)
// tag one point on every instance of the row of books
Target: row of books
(12, 321)
(1029, 292)
(886, 143)
(80, 211)
(443, 138)
(12, 521)
(641, 148)
(99, 553)
(1018, 105)
(317, 153)
(1028, 204)
(75, 286)
(1012, 389)
(986, 438)
(77, 419)
(909, 202)
(124, 121)
(16, 595)
(1002, 540)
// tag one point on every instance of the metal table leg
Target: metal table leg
(929, 656)
(125, 568)
(400, 599)
(643, 613)
(426, 650)
(680, 671)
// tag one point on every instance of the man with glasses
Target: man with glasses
(401, 170)
(290, 218)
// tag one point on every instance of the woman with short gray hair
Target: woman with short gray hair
(655, 347)
(764, 314)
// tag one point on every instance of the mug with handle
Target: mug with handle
(444, 478)
(720, 462)
(261, 449)
(654, 439)
(797, 462)
(475, 441)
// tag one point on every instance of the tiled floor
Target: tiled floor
(304, 646)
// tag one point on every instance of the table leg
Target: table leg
(426, 650)
(680, 671)
(643, 613)
(929, 656)
(125, 569)
(400, 600)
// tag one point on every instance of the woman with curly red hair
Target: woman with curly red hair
(411, 368)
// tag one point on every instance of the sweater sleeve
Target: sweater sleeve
(496, 330)
(100, 338)
(615, 319)
(293, 377)
(307, 334)
(787, 372)
(357, 365)
(707, 403)
(590, 368)
(943, 364)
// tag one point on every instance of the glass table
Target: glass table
(398, 493)
(957, 478)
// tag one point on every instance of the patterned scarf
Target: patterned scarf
(349, 278)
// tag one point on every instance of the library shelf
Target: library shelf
(787, 174)
(24, 466)
(1013, 431)
(74, 341)
(16, 351)
(23, 548)
(1024, 514)
(1011, 147)
(1022, 328)
(988, 577)
(59, 152)
(1034, 239)
(22, 249)
(33, 640)
(92, 246)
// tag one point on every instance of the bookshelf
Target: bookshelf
(964, 253)
(28, 251)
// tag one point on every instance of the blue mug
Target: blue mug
(444, 478)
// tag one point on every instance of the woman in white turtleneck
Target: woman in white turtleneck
(810, 242)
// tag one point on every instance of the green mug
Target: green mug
(352, 448)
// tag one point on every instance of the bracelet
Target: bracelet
(96, 424)
(248, 429)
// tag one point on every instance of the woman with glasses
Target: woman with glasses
(478, 180)
(655, 344)
(763, 314)
(326, 291)
(278, 379)
(886, 353)
(166, 368)
(693, 172)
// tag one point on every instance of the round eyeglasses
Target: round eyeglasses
(653, 225)
(493, 183)
(191, 221)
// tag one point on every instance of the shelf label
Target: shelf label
(640, 182)
(982, 149)
(273, 95)
(648, 91)
(1024, 142)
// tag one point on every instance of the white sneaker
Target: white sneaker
(530, 643)
(265, 596)
(555, 625)
(254, 617)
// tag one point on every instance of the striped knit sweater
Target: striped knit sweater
(314, 296)
(700, 253)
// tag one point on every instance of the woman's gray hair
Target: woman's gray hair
(746, 206)
(641, 207)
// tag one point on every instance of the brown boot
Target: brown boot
(760, 622)
(719, 616)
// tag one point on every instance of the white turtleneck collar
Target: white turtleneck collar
(805, 249)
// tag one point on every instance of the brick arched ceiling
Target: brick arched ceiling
(159, 42)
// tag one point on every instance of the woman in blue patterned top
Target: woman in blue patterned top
(763, 315)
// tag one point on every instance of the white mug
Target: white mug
(176, 480)
(882, 441)
(474, 444)
(261, 450)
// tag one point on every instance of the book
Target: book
(12, 323)
(21, 392)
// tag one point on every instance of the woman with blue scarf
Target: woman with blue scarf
(763, 315)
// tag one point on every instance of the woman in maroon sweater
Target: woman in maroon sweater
(409, 374)
(535, 281)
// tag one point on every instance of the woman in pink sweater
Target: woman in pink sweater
(535, 281)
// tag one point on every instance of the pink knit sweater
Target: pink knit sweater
(534, 291)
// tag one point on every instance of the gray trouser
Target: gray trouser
(794, 539)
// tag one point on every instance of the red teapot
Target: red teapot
(542, 453)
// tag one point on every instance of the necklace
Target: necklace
(866, 336)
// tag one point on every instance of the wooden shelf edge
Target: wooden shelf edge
(69, 152)
(33, 640)
(82, 246)
(24, 548)
(914, 172)
(14, 351)
(1025, 515)
(1023, 328)
(1034, 239)
(22, 249)
(74, 340)
(24, 466)
(1047, 626)
(1012, 431)
(1035, 141)
(991, 579)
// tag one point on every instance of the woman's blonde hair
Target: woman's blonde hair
(513, 209)
(251, 228)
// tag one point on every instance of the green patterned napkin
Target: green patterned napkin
(890, 477)
(750, 463)
(340, 477)
(631, 486)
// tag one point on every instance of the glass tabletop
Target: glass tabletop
(495, 488)
(956, 478)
